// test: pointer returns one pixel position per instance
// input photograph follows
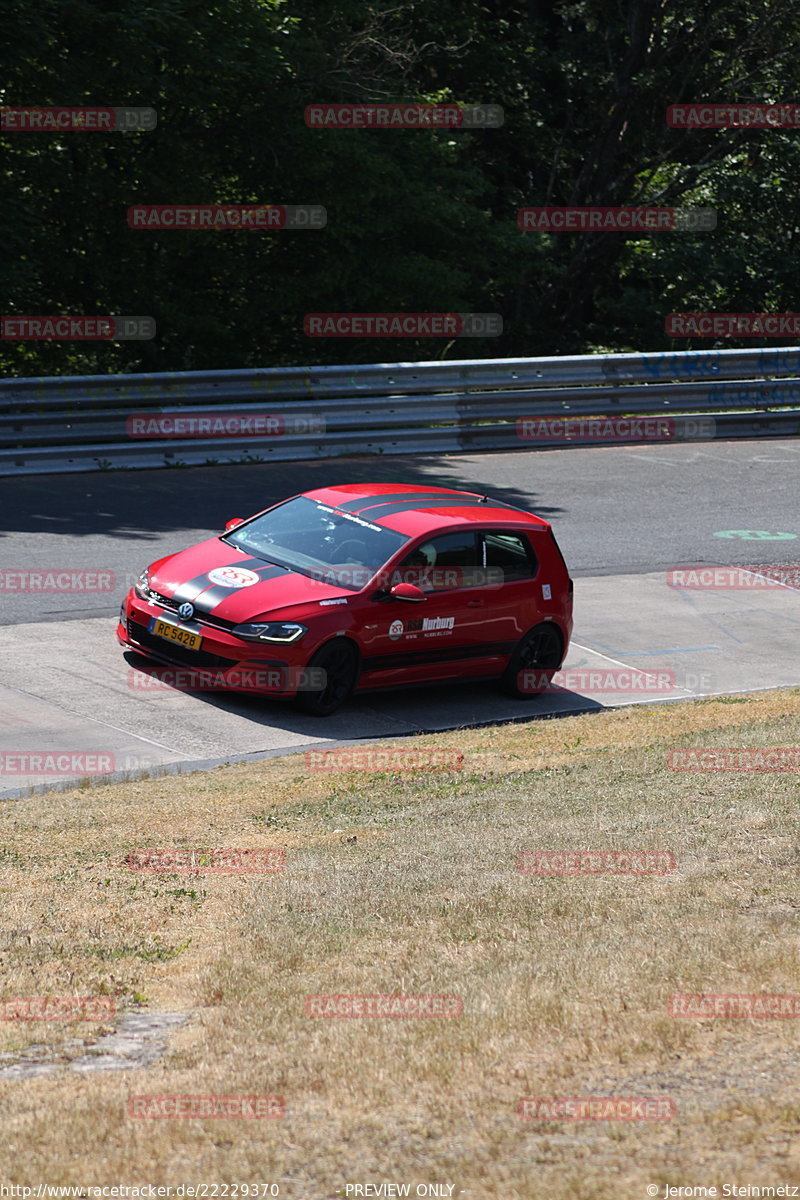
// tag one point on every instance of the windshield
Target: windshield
(319, 541)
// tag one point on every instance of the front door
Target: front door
(442, 637)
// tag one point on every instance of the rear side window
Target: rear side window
(512, 553)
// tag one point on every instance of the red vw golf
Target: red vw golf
(358, 587)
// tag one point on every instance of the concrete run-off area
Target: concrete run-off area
(631, 521)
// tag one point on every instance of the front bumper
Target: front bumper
(224, 662)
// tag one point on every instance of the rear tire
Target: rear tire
(534, 662)
(339, 660)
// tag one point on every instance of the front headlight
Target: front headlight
(142, 586)
(270, 631)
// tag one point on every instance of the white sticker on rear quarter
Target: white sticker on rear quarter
(546, 594)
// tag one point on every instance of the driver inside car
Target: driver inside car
(416, 568)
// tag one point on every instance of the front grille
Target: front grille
(203, 618)
(175, 653)
(164, 601)
(210, 619)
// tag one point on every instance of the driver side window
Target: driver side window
(444, 562)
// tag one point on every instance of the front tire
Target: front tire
(339, 660)
(534, 662)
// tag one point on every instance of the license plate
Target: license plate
(176, 633)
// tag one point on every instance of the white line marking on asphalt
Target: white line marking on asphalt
(758, 575)
(627, 666)
(97, 721)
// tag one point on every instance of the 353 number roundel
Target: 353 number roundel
(233, 577)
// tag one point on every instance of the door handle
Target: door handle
(474, 604)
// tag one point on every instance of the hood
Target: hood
(219, 579)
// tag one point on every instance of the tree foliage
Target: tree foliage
(418, 221)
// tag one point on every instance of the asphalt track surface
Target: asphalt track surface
(624, 516)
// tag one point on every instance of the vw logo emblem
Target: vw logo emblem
(186, 611)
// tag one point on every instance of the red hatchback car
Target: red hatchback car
(359, 587)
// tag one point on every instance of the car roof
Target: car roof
(413, 509)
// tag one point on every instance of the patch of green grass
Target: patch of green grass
(147, 953)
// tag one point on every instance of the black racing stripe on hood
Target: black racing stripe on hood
(207, 601)
(191, 589)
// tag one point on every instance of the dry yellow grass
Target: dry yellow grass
(564, 981)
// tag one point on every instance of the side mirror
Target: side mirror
(407, 591)
(234, 521)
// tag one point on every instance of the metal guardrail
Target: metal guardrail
(80, 423)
